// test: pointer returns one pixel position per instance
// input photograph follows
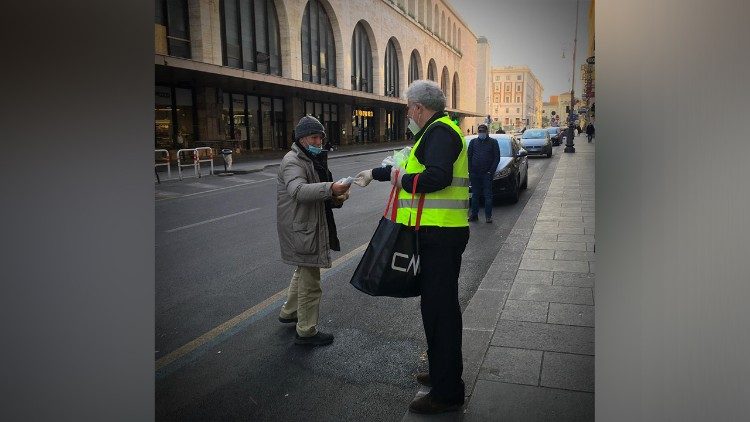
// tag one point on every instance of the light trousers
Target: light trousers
(303, 300)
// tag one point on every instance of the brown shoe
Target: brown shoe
(428, 405)
(424, 379)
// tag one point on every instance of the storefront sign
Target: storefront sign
(363, 113)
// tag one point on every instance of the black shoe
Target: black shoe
(473, 218)
(319, 339)
(424, 379)
(428, 405)
(287, 320)
(489, 219)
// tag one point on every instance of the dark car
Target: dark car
(536, 141)
(512, 173)
(555, 135)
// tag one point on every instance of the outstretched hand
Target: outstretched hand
(363, 178)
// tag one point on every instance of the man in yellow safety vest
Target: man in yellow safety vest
(439, 156)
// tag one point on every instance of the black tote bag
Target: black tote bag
(390, 264)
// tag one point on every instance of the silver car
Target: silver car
(537, 141)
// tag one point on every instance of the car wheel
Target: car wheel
(516, 193)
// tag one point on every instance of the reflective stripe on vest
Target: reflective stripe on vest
(447, 207)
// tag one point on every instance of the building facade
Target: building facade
(516, 99)
(240, 73)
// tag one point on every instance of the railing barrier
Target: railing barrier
(162, 159)
(187, 158)
(204, 155)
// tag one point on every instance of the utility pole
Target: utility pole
(571, 131)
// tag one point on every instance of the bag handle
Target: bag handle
(392, 204)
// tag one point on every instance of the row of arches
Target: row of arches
(251, 40)
(433, 17)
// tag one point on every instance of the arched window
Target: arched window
(250, 35)
(444, 80)
(414, 62)
(432, 71)
(391, 70)
(361, 60)
(436, 22)
(449, 39)
(454, 35)
(455, 90)
(412, 8)
(459, 39)
(442, 25)
(318, 46)
(420, 11)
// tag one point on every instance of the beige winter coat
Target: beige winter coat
(300, 212)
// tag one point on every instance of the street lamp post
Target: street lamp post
(571, 123)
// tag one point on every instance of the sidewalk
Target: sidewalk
(251, 163)
(528, 337)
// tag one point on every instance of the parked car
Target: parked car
(512, 173)
(536, 141)
(554, 135)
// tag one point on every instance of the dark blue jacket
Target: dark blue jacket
(484, 155)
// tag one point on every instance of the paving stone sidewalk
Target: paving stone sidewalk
(528, 338)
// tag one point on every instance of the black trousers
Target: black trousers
(440, 262)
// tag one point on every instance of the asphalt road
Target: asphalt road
(217, 259)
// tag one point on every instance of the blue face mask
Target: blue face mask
(482, 136)
(312, 149)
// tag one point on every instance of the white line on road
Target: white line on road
(217, 189)
(211, 220)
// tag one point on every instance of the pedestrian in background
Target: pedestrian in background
(439, 156)
(590, 131)
(484, 156)
(305, 197)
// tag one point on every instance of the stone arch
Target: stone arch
(416, 58)
(285, 39)
(337, 39)
(399, 66)
(374, 52)
(455, 91)
(432, 69)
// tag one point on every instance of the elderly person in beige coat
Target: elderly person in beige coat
(306, 195)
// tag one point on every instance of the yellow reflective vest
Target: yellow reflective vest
(447, 207)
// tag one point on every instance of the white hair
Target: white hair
(427, 93)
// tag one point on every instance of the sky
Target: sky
(535, 33)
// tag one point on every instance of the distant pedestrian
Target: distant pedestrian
(590, 131)
(306, 195)
(484, 156)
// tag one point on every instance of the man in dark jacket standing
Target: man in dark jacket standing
(305, 197)
(590, 131)
(484, 156)
(440, 159)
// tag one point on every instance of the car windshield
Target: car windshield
(505, 149)
(535, 134)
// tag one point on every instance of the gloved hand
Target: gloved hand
(363, 178)
(396, 181)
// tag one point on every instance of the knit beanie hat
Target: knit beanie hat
(308, 125)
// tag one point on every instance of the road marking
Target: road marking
(217, 189)
(211, 220)
(239, 319)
